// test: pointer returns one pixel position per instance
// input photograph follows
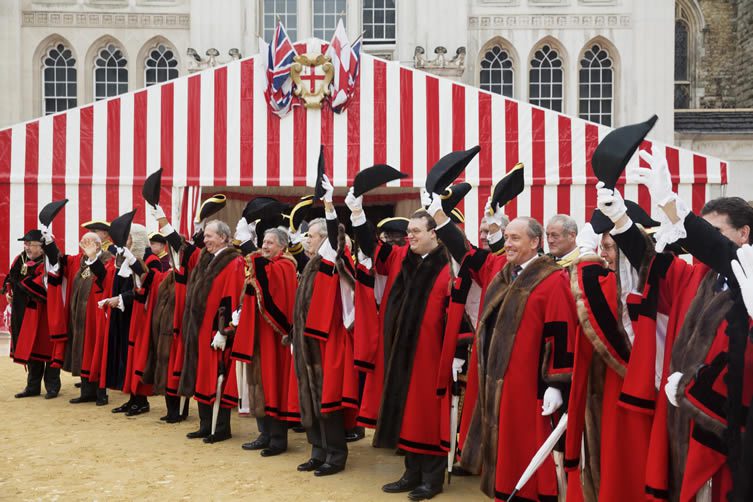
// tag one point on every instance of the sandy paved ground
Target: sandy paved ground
(53, 450)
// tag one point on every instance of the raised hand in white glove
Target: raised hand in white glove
(673, 382)
(355, 204)
(47, 237)
(128, 255)
(218, 342)
(236, 317)
(551, 402)
(587, 240)
(244, 230)
(435, 205)
(657, 178)
(156, 212)
(295, 237)
(364, 260)
(426, 198)
(198, 227)
(610, 202)
(457, 368)
(743, 269)
(494, 216)
(329, 190)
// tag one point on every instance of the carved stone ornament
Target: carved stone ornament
(312, 73)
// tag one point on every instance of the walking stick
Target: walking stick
(221, 375)
(453, 429)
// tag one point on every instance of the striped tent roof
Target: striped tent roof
(214, 129)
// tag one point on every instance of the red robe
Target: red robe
(30, 336)
(424, 425)
(629, 393)
(59, 289)
(225, 292)
(368, 346)
(266, 319)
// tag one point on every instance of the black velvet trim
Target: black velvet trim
(349, 400)
(384, 252)
(203, 396)
(516, 498)
(703, 387)
(637, 402)
(363, 364)
(498, 246)
(557, 331)
(269, 305)
(34, 288)
(60, 336)
(326, 268)
(181, 278)
(657, 493)
(477, 259)
(709, 439)
(421, 446)
(600, 308)
(139, 373)
(316, 333)
(333, 404)
(460, 294)
(241, 357)
(367, 421)
(54, 280)
(364, 278)
(571, 463)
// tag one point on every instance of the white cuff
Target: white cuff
(330, 215)
(120, 304)
(358, 220)
(622, 228)
(495, 237)
(166, 229)
(326, 251)
(444, 223)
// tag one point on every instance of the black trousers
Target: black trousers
(274, 431)
(429, 469)
(91, 389)
(205, 419)
(327, 438)
(39, 371)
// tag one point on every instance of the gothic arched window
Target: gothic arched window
(546, 79)
(58, 80)
(596, 86)
(682, 63)
(160, 65)
(110, 73)
(497, 73)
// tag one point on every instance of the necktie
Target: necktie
(516, 271)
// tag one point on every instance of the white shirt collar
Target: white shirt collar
(524, 265)
(215, 255)
(568, 255)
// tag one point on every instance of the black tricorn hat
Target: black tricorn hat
(263, 208)
(394, 224)
(318, 188)
(96, 225)
(448, 168)
(299, 212)
(453, 195)
(152, 187)
(121, 227)
(374, 177)
(32, 236)
(601, 223)
(508, 187)
(457, 216)
(157, 237)
(614, 152)
(48, 212)
(211, 206)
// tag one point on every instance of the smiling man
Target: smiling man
(561, 232)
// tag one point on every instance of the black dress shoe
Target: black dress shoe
(216, 438)
(271, 452)
(51, 395)
(173, 420)
(298, 428)
(104, 401)
(328, 469)
(198, 434)
(27, 393)
(256, 444)
(137, 409)
(82, 399)
(459, 471)
(425, 492)
(164, 418)
(401, 485)
(311, 464)
(355, 435)
(123, 407)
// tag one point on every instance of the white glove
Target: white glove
(587, 240)
(329, 190)
(236, 317)
(47, 237)
(118, 250)
(457, 368)
(657, 178)
(673, 382)
(128, 255)
(610, 202)
(495, 217)
(425, 198)
(435, 205)
(743, 269)
(218, 342)
(355, 204)
(244, 230)
(295, 237)
(552, 401)
(156, 212)
(364, 260)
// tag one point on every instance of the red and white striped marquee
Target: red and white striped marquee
(214, 129)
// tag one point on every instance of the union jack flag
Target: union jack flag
(345, 59)
(280, 57)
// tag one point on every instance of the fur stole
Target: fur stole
(404, 313)
(200, 284)
(161, 335)
(504, 306)
(306, 351)
(79, 299)
(707, 310)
